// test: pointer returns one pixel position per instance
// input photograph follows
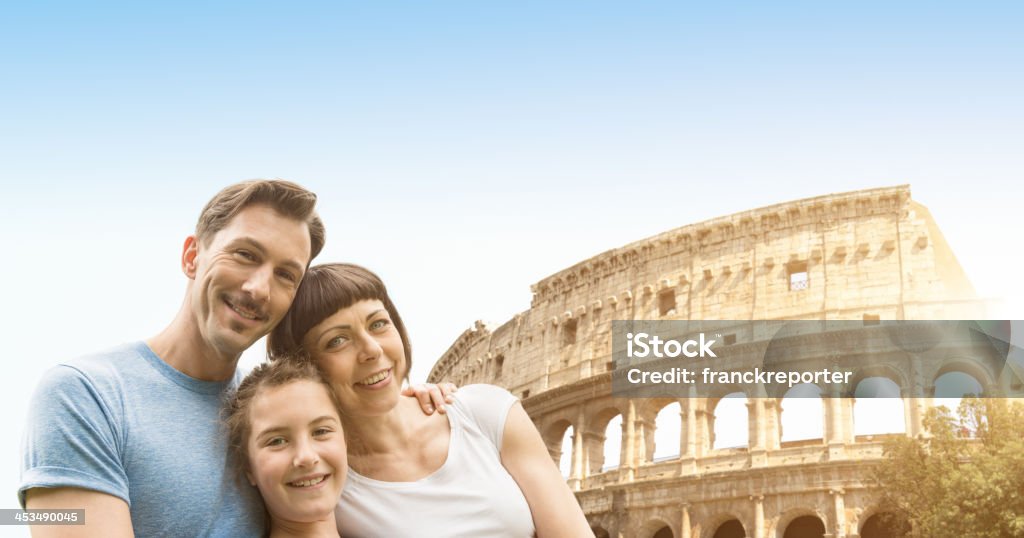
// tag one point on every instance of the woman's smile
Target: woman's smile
(377, 380)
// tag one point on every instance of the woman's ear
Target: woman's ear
(248, 476)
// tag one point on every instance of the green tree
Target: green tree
(965, 479)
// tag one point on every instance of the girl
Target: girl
(285, 435)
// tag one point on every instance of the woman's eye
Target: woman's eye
(335, 342)
(379, 324)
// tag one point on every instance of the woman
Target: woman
(480, 470)
(285, 432)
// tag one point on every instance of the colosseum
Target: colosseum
(675, 467)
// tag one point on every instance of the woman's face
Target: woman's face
(297, 451)
(360, 351)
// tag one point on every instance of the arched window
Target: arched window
(612, 443)
(666, 432)
(878, 407)
(802, 416)
(730, 529)
(731, 421)
(805, 527)
(565, 459)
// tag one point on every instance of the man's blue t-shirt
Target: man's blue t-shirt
(126, 423)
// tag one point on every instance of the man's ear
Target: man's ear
(188, 256)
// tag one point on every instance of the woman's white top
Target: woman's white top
(470, 495)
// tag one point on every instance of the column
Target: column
(576, 475)
(701, 441)
(834, 431)
(913, 415)
(687, 435)
(627, 461)
(758, 515)
(684, 522)
(755, 416)
(771, 413)
(840, 508)
(686, 428)
(755, 432)
(644, 441)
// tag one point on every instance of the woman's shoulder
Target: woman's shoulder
(485, 406)
(482, 393)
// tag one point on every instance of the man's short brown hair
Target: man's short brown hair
(289, 199)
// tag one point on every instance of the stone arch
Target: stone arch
(732, 528)
(966, 367)
(806, 415)
(664, 532)
(596, 437)
(604, 525)
(882, 524)
(661, 421)
(887, 371)
(656, 527)
(725, 422)
(553, 435)
(783, 521)
(951, 387)
(878, 397)
(805, 527)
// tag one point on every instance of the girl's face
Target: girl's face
(297, 451)
(360, 351)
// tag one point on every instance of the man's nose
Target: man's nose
(258, 284)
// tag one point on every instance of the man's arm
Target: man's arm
(554, 508)
(70, 458)
(105, 515)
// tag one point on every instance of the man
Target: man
(132, 435)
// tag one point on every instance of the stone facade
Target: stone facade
(867, 255)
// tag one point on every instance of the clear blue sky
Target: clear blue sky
(466, 149)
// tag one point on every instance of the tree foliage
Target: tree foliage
(965, 479)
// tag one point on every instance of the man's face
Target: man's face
(246, 276)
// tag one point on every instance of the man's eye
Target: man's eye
(286, 276)
(245, 254)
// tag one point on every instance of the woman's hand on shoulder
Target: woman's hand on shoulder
(431, 396)
(523, 453)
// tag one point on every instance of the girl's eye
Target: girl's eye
(276, 441)
(320, 432)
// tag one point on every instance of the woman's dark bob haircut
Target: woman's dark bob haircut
(326, 289)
